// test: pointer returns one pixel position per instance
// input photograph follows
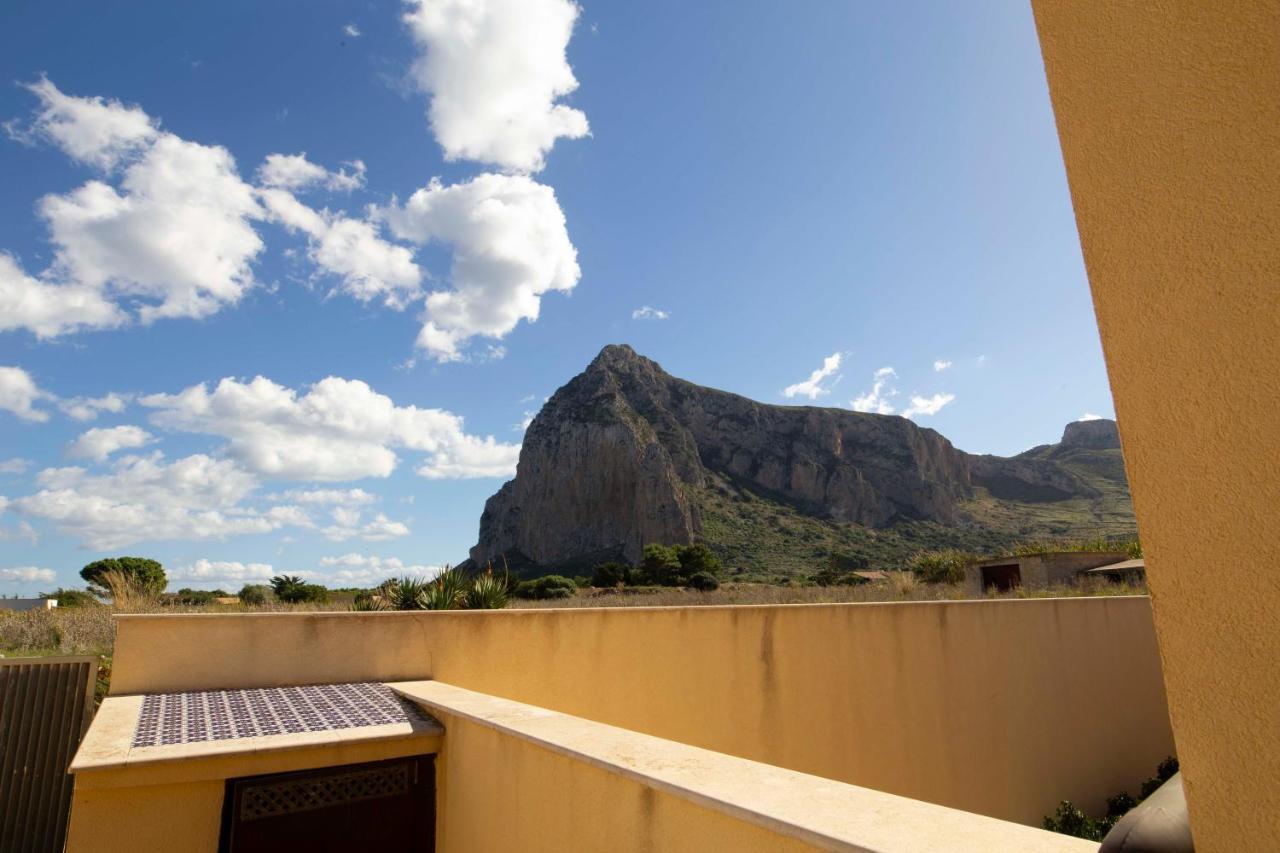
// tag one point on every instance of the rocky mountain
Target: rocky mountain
(626, 454)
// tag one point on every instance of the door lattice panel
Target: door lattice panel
(300, 795)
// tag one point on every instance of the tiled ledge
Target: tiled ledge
(107, 757)
(827, 814)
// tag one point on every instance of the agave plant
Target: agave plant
(406, 593)
(448, 591)
(488, 591)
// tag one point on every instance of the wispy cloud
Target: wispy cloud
(927, 405)
(877, 399)
(648, 312)
(941, 365)
(813, 387)
(352, 31)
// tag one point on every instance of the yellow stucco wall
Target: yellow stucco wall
(487, 778)
(1169, 118)
(176, 806)
(996, 707)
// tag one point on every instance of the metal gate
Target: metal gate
(45, 708)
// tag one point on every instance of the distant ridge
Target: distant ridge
(626, 454)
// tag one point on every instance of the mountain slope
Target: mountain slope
(626, 454)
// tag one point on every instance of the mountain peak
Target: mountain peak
(1093, 434)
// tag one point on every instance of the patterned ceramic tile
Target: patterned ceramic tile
(173, 718)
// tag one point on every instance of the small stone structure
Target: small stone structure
(1034, 571)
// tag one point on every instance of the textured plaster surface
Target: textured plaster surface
(1169, 118)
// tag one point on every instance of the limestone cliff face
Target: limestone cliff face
(617, 457)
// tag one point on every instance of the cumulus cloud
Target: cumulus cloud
(877, 399)
(339, 429)
(352, 31)
(47, 309)
(210, 571)
(172, 237)
(296, 172)
(88, 408)
(941, 365)
(927, 405)
(493, 70)
(27, 574)
(178, 236)
(647, 312)
(369, 267)
(510, 247)
(98, 444)
(364, 570)
(19, 394)
(348, 524)
(146, 498)
(1089, 416)
(93, 131)
(813, 387)
(16, 465)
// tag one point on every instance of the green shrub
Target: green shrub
(945, 566)
(659, 565)
(254, 594)
(697, 558)
(198, 597)
(1164, 773)
(71, 597)
(1070, 820)
(611, 574)
(146, 576)
(704, 582)
(550, 586)
(291, 589)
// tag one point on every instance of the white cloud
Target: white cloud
(813, 387)
(94, 131)
(647, 312)
(494, 70)
(19, 394)
(145, 498)
(927, 405)
(88, 408)
(352, 31)
(369, 266)
(510, 247)
(207, 571)
(172, 238)
(941, 365)
(178, 236)
(877, 399)
(335, 497)
(1089, 416)
(296, 172)
(348, 524)
(98, 444)
(339, 429)
(27, 574)
(16, 465)
(48, 310)
(363, 570)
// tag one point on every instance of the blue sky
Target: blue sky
(877, 182)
